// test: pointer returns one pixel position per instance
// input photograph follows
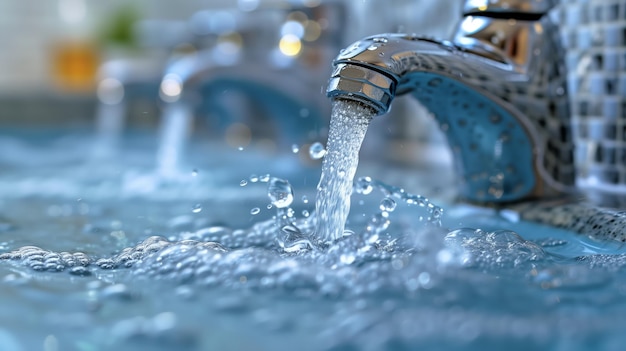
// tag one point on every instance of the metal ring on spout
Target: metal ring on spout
(363, 84)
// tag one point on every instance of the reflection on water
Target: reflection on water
(103, 257)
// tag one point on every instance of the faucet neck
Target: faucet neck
(521, 40)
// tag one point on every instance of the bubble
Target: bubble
(363, 185)
(280, 192)
(424, 278)
(197, 208)
(387, 204)
(255, 211)
(317, 150)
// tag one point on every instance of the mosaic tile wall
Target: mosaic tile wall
(594, 35)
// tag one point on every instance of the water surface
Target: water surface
(112, 257)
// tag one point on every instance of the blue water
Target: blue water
(126, 260)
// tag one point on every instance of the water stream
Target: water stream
(348, 125)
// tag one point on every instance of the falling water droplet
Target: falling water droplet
(280, 192)
(317, 151)
(305, 213)
(254, 178)
(197, 208)
(194, 172)
(363, 185)
(387, 204)
(305, 199)
(264, 178)
(295, 148)
(255, 211)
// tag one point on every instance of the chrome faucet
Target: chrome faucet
(497, 90)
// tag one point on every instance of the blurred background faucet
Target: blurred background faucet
(258, 81)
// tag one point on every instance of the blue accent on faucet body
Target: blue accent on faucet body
(493, 153)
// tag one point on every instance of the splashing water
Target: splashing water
(348, 125)
(395, 280)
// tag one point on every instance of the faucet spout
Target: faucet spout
(497, 91)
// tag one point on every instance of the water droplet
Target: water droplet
(295, 148)
(243, 182)
(305, 199)
(255, 211)
(424, 278)
(264, 178)
(197, 208)
(363, 185)
(380, 40)
(280, 193)
(269, 206)
(240, 148)
(194, 173)
(341, 173)
(387, 204)
(434, 82)
(372, 47)
(305, 213)
(381, 54)
(317, 151)
(254, 178)
(495, 118)
(504, 137)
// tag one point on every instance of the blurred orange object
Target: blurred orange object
(75, 65)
